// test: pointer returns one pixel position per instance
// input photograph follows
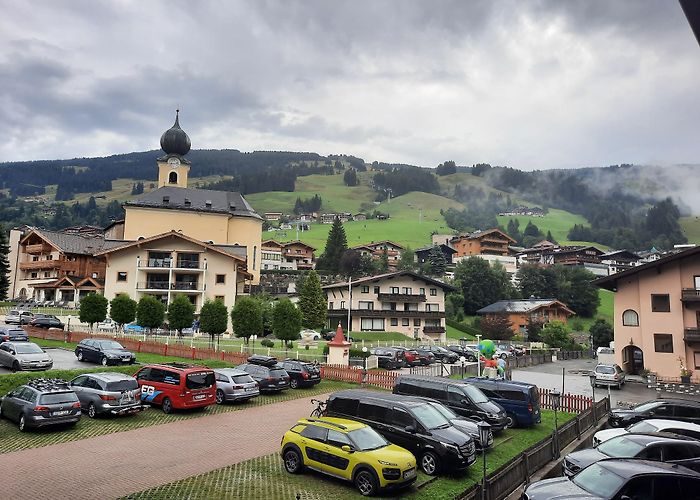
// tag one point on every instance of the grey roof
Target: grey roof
(227, 202)
(441, 245)
(515, 306)
(235, 250)
(395, 274)
(76, 243)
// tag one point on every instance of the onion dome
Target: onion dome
(175, 140)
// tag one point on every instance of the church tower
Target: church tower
(173, 168)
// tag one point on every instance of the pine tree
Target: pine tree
(4, 264)
(438, 262)
(549, 237)
(336, 245)
(312, 302)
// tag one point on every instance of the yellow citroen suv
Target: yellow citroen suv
(348, 450)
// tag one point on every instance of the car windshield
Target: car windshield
(111, 344)
(122, 385)
(642, 427)
(367, 438)
(599, 481)
(27, 349)
(647, 406)
(200, 380)
(605, 369)
(620, 447)
(242, 379)
(429, 417)
(56, 398)
(475, 394)
(15, 331)
(444, 411)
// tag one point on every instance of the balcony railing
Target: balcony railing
(690, 294)
(375, 313)
(185, 285)
(40, 264)
(433, 329)
(190, 264)
(691, 334)
(157, 263)
(401, 297)
(37, 248)
(169, 263)
(153, 285)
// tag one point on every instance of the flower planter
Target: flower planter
(685, 379)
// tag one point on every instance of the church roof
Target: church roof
(197, 200)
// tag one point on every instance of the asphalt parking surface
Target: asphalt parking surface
(62, 360)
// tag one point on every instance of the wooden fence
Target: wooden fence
(573, 403)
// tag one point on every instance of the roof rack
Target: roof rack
(258, 359)
(48, 384)
(339, 426)
(178, 365)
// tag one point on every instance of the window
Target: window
(346, 406)
(121, 276)
(405, 322)
(364, 289)
(330, 305)
(433, 292)
(374, 412)
(455, 396)
(315, 433)
(376, 289)
(432, 307)
(630, 318)
(366, 304)
(660, 302)
(172, 178)
(47, 274)
(402, 418)
(663, 342)
(342, 304)
(34, 275)
(408, 306)
(255, 256)
(220, 279)
(372, 324)
(394, 321)
(421, 291)
(49, 257)
(337, 439)
(696, 357)
(394, 290)
(407, 290)
(416, 322)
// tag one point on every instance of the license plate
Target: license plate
(200, 396)
(409, 473)
(249, 389)
(60, 413)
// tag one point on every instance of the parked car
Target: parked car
(659, 447)
(425, 357)
(349, 450)
(650, 425)
(620, 478)
(611, 375)
(177, 386)
(301, 373)
(104, 351)
(24, 356)
(46, 322)
(465, 351)
(107, 393)
(310, 334)
(40, 403)
(686, 410)
(520, 400)
(440, 353)
(234, 385)
(12, 334)
(410, 356)
(389, 359)
(504, 350)
(267, 372)
(25, 318)
(416, 426)
(462, 398)
(18, 317)
(133, 328)
(107, 325)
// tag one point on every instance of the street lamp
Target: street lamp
(364, 358)
(478, 356)
(556, 399)
(484, 430)
(591, 376)
(462, 359)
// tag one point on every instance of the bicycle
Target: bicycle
(320, 409)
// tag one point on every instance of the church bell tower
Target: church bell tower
(173, 168)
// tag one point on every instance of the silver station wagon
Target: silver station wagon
(234, 385)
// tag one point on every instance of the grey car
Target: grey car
(41, 402)
(107, 393)
(12, 334)
(24, 356)
(234, 385)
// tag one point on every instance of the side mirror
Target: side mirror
(410, 428)
(346, 448)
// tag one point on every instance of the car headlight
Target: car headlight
(112, 356)
(493, 415)
(450, 447)
(384, 462)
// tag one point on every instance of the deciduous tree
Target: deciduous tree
(286, 321)
(150, 312)
(247, 318)
(122, 309)
(496, 327)
(602, 333)
(481, 285)
(93, 309)
(213, 318)
(180, 313)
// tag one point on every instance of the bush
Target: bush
(267, 343)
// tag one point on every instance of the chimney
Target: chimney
(232, 207)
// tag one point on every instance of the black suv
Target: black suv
(46, 321)
(41, 402)
(669, 409)
(440, 353)
(267, 372)
(388, 358)
(103, 351)
(301, 374)
(463, 351)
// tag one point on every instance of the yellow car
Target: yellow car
(348, 450)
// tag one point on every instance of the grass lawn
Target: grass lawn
(379, 336)
(605, 310)
(453, 333)
(557, 221)
(265, 477)
(691, 228)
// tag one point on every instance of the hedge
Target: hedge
(463, 327)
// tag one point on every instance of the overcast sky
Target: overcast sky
(527, 84)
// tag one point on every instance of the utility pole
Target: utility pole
(349, 306)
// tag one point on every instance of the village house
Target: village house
(522, 311)
(330, 218)
(273, 216)
(657, 314)
(489, 242)
(401, 301)
(619, 260)
(376, 250)
(422, 255)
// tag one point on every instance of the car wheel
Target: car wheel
(167, 406)
(104, 361)
(294, 384)
(220, 397)
(92, 411)
(510, 421)
(15, 367)
(22, 424)
(429, 463)
(292, 461)
(80, 356)
(366, 483)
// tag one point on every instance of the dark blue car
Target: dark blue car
(520, 400)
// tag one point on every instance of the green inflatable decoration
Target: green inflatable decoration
(487, 348)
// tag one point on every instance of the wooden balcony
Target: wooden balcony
(378, 313)
(38, 248)
(691, 335)
(690, 295)
(433, 329)
(401, 297)
(40, 264)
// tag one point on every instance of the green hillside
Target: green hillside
(557, 221)
(414, 216)
(691, 228)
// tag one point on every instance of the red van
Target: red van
(177, 386)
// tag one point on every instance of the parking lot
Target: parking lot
(63, 359)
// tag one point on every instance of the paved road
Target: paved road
(62, 360)
(576, 381)
(118, 464)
